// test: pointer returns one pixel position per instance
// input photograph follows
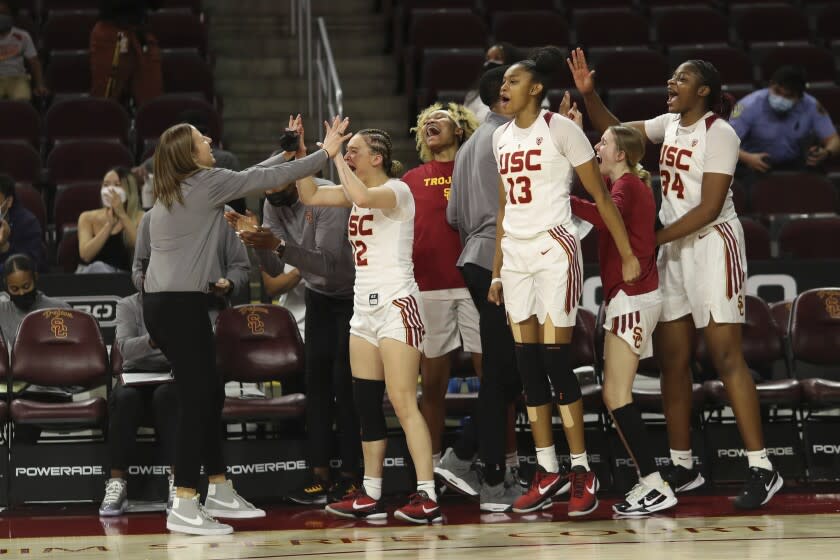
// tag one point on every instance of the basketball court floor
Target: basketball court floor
(795, 525)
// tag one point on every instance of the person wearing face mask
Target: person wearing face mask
(497, 55)
(16, 46)
(313, 239)
(20, 231)
(107, 235)
(782, 127)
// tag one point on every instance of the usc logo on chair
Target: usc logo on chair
(57, 325)
(255, 322)
(831, 298)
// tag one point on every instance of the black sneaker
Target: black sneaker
(681, 479)
(314, 493)
(341, 488)
(644, 500)
(758, 490)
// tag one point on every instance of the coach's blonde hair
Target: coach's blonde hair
(630, 141)
(460, 115)
(174, 163)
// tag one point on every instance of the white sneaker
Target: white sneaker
(116, 498)
(189, 516)
(644, 500)
(223, 501)
(170, 499)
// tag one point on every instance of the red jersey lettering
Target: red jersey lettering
(357, 225)
(516, 162)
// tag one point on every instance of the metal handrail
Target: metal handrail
(329, 86)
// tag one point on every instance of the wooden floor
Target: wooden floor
(795, 526)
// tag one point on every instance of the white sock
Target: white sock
(682, 458)
(580, 460)
(427, 486)
(373, 487)
(759, 459)
(547, 459)
(653, 480)
(435, 459)
(512, 460)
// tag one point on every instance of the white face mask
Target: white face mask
(112, 193)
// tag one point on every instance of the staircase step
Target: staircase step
(369, 66)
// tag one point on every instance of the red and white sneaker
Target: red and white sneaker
(582, 500)
(543, 486)
(357, 505)
(420, 509)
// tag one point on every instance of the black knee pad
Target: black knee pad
(367, 395)
(534, 381)
(556, 359)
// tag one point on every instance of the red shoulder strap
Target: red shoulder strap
(710, 120)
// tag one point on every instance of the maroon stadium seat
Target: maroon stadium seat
(610, 27)
(159, 114)
(193, 5)
(447, 69)
(446, 28)
(20, 122)
(781, 315)
(57, 348)
(70, 118)
(555, 97)
(256, 344)
(815, 339)
(689, 25)
(178, 30)
(757, 240)
(734, 65)
(53, 5)
(68, 30)
(793, 193)
(31, 199)
(589, 247)
(817, 62)
(531, 29)
(828, 21)
(829, 97)
(769, 22)
(493, 7)
(68, 250)
(20, 160)
(73, 199)
(86, 160)
(187, 73)
(630, 67)
(637, 104)
(68, 72)
(814, 238)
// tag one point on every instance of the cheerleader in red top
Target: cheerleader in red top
(632, 309)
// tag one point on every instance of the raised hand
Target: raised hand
(335, 135)
(260, 238)
(565, 104)
(583, 76)
(575, 114)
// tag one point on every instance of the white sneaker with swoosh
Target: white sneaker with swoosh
(188, 516)
(223, 501)
(644, 500)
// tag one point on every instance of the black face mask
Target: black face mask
(488, 64)
(283, 198)
(24, 302)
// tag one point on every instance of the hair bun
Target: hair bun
(548, 60)
(396, 168)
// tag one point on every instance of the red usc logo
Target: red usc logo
(637, 337)
(357, 225)
(515, 162)
(58, 327)
(672, 156)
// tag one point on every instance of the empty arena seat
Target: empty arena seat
(67, 253)
(734, 64)
(447, 69)
(828, 21)
(68, 30)
(630, 67)
(73, 199)
(186, 73)
(58, 348)
(781, 315)
(610, 27)
(493, 7)
(256, 344)
(32, 200)
(637, 104)
(829, 97)
(531, 28)
(20, 122)
(178, 30)
(159, 114)
(20, 161)
(814, 238)
(689, 25)
(756, 239)
(446, 28)
(68, 72)
(793, 193)
(817, 62)
(70, 118)
(815, 339)
(86, 160)
(771, 22)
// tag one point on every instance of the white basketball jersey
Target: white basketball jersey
(536, 165)
(708, 146)
(382, 241)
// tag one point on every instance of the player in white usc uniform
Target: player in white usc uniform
(538, 263)
(702, 263)
(386, 331)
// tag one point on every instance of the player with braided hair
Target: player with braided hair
(387, 328)
(452, 318)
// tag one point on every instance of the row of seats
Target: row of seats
(40, 9)
(59, 347)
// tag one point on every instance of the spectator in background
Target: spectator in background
(16, 46)
(20, 231)
(497, 55)
(782, 127)
(123, 55)
(128, 405)
(107, 235)
(22, 296)
(290, 293)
